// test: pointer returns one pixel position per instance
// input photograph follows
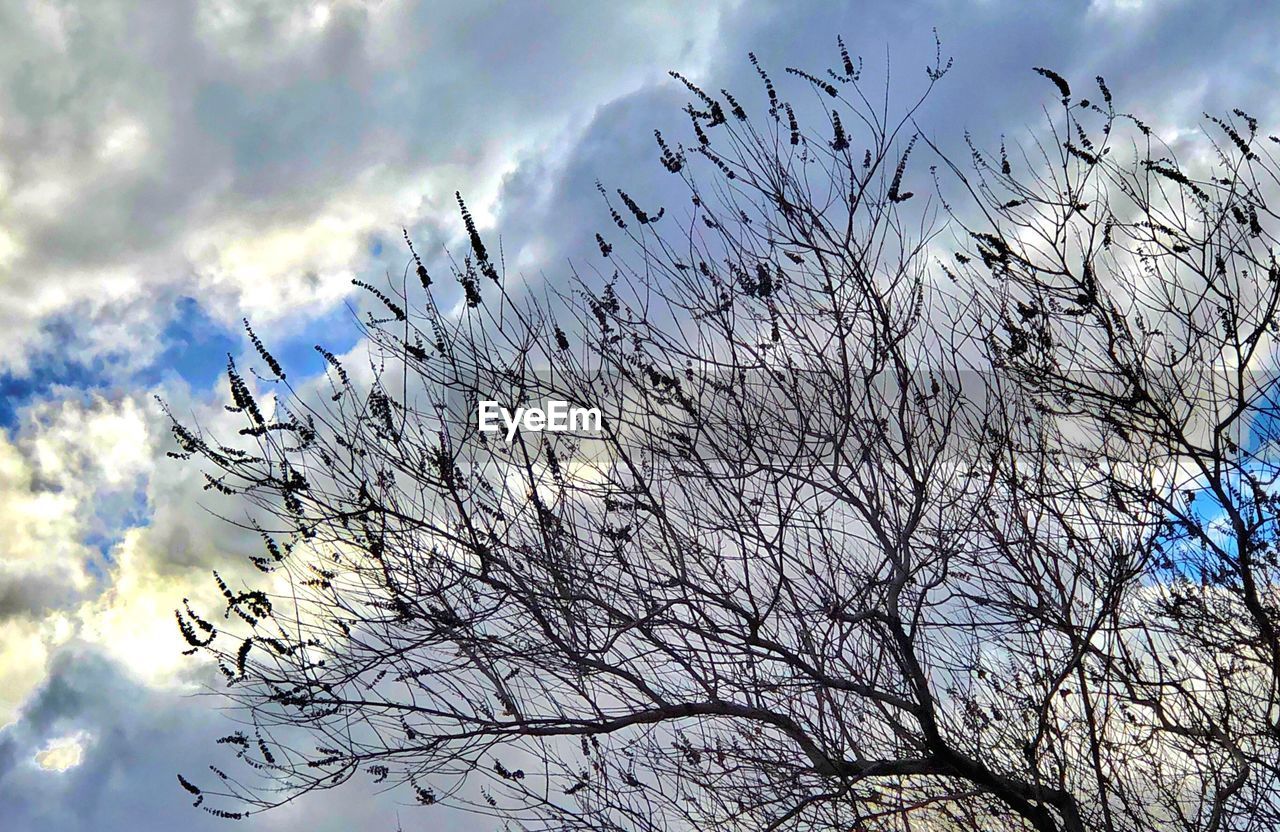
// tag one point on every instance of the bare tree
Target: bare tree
(1139, 300)
(888, 525)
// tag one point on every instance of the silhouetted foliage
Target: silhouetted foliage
(949, 513)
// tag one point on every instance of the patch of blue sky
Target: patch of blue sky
(198, 346)
(1259, 457)
(1210, 514)
(337, 331)
(115, 513)
(48, 373)
(1264, 429)
(194, 348)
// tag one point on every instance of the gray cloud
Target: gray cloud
(155, 146)
(1144, 49)
(135, 741)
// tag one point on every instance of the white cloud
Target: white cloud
(62, 753)
(25, 648)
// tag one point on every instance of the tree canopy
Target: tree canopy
(933, 491)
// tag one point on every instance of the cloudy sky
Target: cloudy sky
(168, 167)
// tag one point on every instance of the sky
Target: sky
(171, 167)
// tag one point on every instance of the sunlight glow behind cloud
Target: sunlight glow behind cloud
(61, 754)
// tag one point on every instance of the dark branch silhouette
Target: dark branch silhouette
(927, 495)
